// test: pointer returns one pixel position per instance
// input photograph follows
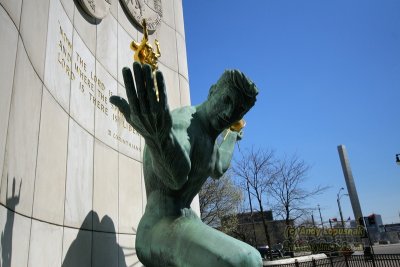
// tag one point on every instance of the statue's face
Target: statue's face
(229, 99)
(224, 107)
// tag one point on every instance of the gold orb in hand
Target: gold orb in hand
(237, 126)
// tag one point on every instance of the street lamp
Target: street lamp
(398, 159)
(340, 207)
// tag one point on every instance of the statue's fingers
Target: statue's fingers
(240, 136)
(141, 87)
(130, 90)
(122, 105)
(161, 90)
(151, 90)
(134, 119)
(163, 101)
(167, 120)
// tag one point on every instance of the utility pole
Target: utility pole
(320, 216)
(340, 207)
(351, 186)
(313, 221)
(355, 202)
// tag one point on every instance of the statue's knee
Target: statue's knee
(247, 258)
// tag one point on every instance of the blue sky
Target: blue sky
(328, 74)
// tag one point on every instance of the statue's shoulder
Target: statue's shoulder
(182, 116)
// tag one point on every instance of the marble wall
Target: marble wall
(72, 190)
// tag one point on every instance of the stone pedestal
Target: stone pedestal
(72, 191)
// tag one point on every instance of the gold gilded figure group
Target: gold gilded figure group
(145, 54)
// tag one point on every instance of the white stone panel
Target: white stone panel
(22, 136)
(195, 205)
(51, 163)
(127, 24)
(13, 8)
(105, 195)
(168, 13)
(128, 258)
(114, 9)
(185, 92)
(3, 217)
(105, 113)
(8, 51)
(130, 194)
(83, 86)
(7, 232)
(107, 38)
(179, 22)
(142, 143)
(125, 54)
(77, 248)
(167, 38)
(45, 245)
(15, 230)
(34, 20)
(86, 27)
(58, 70)
(79, 185)
(69, 7)
(171, 79)
(182, 57)
(105, 248)
(144, 194)
(128, 139)
(20, 244)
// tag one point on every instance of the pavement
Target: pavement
(292, 260)
(387, 249)
(383, 249)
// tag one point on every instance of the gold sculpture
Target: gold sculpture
(144, 52)
(238, 126)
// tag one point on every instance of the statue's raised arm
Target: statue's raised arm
(152, 119)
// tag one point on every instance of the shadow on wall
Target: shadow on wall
(89, 249)
(6, 235)
(95, 248)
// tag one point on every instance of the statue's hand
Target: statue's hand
(239, 136)
(151, 118)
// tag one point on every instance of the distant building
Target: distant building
(373, 223)
(250, 228)
(379, 232)
(390, 232)
(393, 227)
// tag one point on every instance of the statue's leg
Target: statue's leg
(187, 242)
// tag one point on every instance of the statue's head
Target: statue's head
(229, 99)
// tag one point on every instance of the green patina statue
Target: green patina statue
(181, 152)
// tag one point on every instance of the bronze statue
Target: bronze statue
(181, 152)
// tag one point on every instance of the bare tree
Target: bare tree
(306, 220)
(218, 200)
(255, 170)
(288, 189)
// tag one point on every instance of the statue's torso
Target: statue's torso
(200, 147)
